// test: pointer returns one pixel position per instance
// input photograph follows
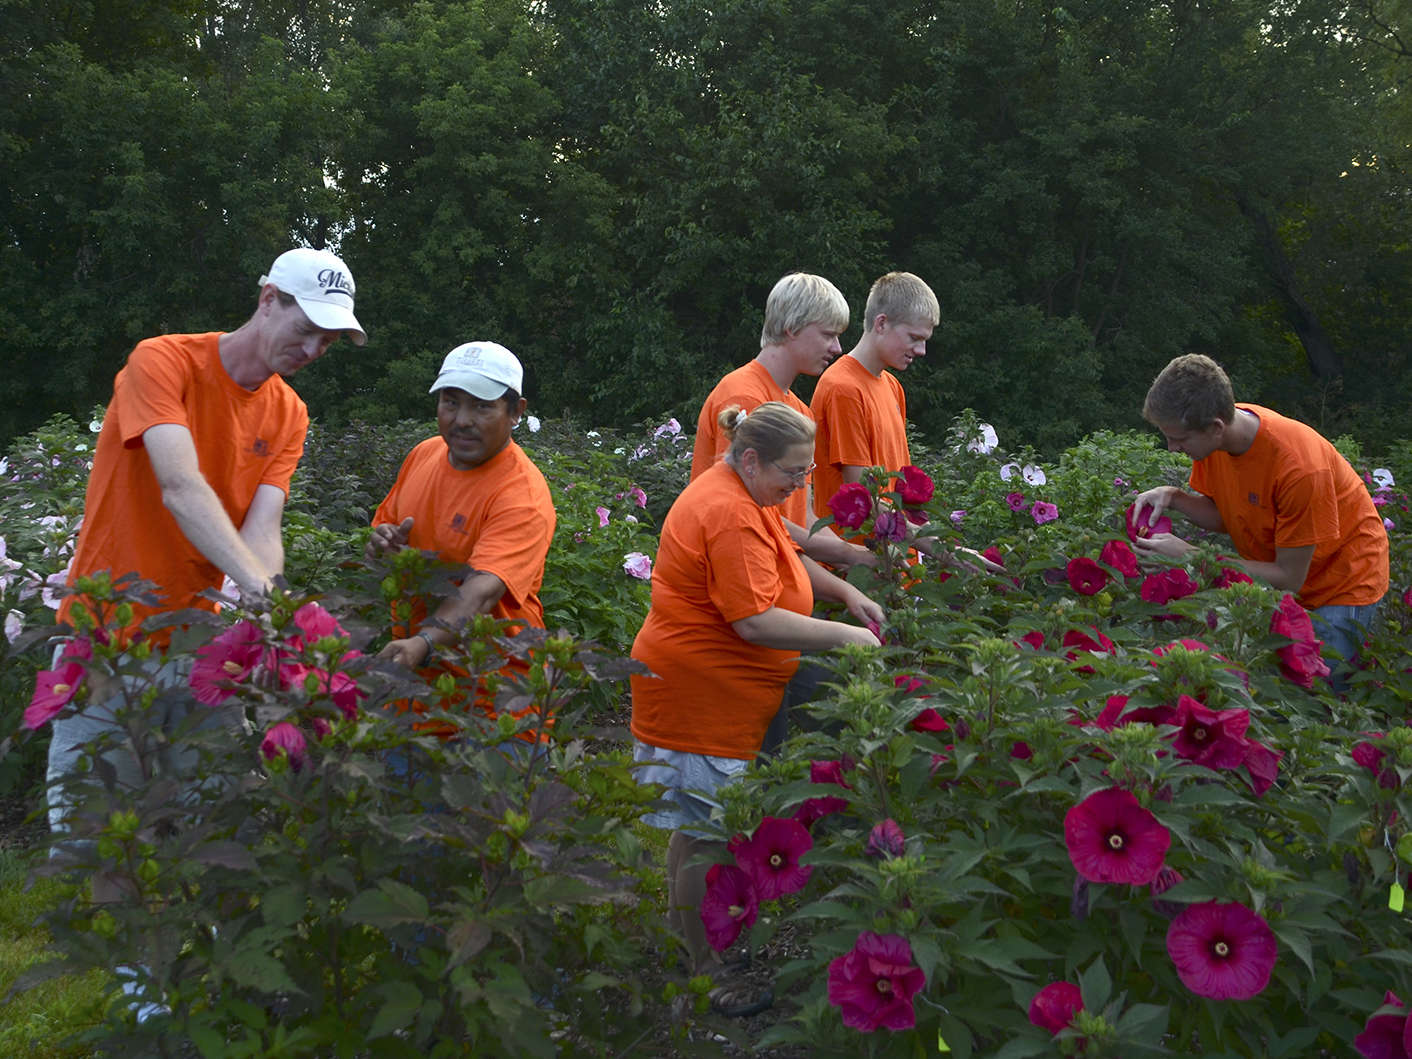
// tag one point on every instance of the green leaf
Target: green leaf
(401, 1002)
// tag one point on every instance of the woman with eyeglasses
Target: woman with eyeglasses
(732, 597)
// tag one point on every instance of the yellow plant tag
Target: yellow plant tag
(1395, 896)
(941, 1044)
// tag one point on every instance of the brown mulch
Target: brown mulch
(17, 830)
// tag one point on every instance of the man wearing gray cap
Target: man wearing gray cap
(473, 497)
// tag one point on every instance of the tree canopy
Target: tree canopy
(611, 188)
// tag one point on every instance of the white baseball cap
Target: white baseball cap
(484, 369)
(322, 285)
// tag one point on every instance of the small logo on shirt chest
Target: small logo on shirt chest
(458, 523)
(1253, 498)
(260, 447)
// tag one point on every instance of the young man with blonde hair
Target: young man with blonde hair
(804, 317)
(1297, 512)
(859, 404)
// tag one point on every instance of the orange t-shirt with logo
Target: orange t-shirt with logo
(1290, 489)
(748, 386)
(497, 518)
(243, 438)
(722, 557)
(862, 423)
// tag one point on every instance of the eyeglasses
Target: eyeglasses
(797, 477)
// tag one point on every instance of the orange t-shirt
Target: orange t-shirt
(722, 557)
(497, 518)
(748, 386)
(1290, 489)
(243, 438)
(862, 423)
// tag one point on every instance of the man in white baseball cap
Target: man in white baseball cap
(190, 477)
(472, 496)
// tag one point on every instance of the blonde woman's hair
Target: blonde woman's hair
(1191, 392)
(771, 429)
(798, 300)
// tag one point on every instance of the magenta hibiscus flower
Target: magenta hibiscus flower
(1370, 756)
(1055, 1006)
(53, 690)
(1078, 641)
(226, 662)
(1163, 881)
(886, 840)
(851, 505)
(1222, 950)
(1262, 765)
(1119, 555)
(339, 687)
(830, 771)
(1385, 1036)
(1043, 512)
(729, 906)
(1016, 501)
(284, 739)
(1113, 839)
(914, 486)
(1229, 576)
(1167, 585)
(1208, 737)
(874, 982)
(1086, 577)
(771, 857)
(1136, 529)
(993, 554)
(314, 623)
(911, 683)
(929, 721)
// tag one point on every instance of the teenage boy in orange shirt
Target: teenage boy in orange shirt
(1297, 512)
(859, 404)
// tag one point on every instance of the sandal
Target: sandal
(740, 1000)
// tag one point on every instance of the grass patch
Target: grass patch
(35, 1023)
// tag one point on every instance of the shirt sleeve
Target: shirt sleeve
(513, 544)
(280, 469)
(849, 437)
(148, 391)
(1306, 510)
(742, 571)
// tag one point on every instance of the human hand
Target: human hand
(412, 651)
(975, 562)
(856, 634)
(863, 608)
(388, 537)
(1168, 544)
(1149, 506)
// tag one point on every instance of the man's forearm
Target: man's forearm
(204, 522)
(1198, 508)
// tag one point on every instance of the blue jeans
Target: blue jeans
(1343, 629)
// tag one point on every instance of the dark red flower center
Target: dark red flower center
(1116, 841)
(776, 860)
(1221, 948)
(883, 985)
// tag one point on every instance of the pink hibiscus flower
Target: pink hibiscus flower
(886, 840)
(53, 690)
(227, 662)
(1042, 511)
(771, 857)
(1054, 1007)
(314, 623)
(1113, 839)
(1215, 739)
(1136, 529)
(851, 505)
(730, 905)
(1385, 1036)
(874, 982)
(1086, 577)
(284, 739)
(1222, 950)
(914, 486)
(1119, 555)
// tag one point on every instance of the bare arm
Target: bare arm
(852, 474)
(827, 546)
(788, 631)
(835, 589)
(1288, 572)
(1197, 507)
(261, 529)
(479, 592)
(199, 513)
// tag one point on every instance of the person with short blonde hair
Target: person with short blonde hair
(805, 316)
(859, 404)
(1297, 512)
(732, 602)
